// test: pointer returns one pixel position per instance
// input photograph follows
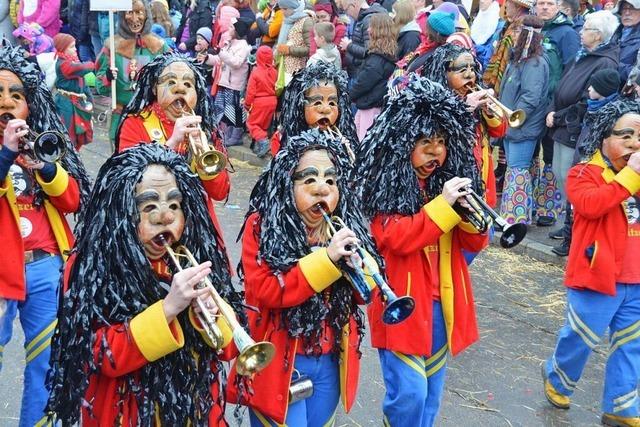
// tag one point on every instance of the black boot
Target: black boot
(562, 249)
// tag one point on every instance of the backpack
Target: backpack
(554, 60)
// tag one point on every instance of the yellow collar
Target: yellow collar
(598, 160)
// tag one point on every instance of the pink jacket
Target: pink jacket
(235, 68)
(47, 14)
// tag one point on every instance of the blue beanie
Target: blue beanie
(205, 33)
(442, 23)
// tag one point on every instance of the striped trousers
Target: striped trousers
(38, 320)
(589, 314)
(414, 384)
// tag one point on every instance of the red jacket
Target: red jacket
(62, 196)
(402, 241)
(262, 81)
(312, 274)
(135, 129)
(147, 338)
(494, 127)
(600, 227)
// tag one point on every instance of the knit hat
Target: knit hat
(461, 39)
(442, 23)
(205, 33)
(288, 4)
(323, 7)
(605, 82)
(62, 41)
(242, 27)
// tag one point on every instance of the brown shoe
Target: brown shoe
(554, 397)
(616, 421)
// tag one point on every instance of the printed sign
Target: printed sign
(110, 4)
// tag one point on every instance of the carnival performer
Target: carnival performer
(414, 168)
(73, 97)
(135, 45)
(34, 198)
(316, 97)
(457, 68)
(170, 106)
(603, 274)
(129, 348)
(293, 276)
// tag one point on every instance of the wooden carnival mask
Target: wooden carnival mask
(428, 154)
(321, 106)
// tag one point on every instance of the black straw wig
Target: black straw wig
(43, 117)
(147, 80)
(604, 121)
(111, 281)
(283, 237)
(389, 184)
(292, 120)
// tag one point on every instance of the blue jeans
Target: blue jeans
(319, 409)
(414, 384)
(589, 314)
(85, 53)
(38, 320)
(519, 154)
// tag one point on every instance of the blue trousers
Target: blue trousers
(519, 154)
(38, 320)
(319, 410)
(589, 314)
(414, 384)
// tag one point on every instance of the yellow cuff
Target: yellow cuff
(58, 184)
(442, 214)
(225, 329)
(629, 179)
(467, 227)
(319, 270)
(492, 122)
(152, 333)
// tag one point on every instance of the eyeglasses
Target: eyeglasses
(590, 29)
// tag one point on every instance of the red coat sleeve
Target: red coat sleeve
(124, 351)
(262, 286)
(217, 188)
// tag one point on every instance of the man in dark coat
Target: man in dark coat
(628, 35)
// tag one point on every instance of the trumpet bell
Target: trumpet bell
(517, 118)
(49, 146)
(512, 235)
(211, 162)
(255, 358)
(398, 310)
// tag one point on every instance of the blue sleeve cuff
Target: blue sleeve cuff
(7, 157)
(48, 172)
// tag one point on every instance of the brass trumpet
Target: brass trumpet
(253, 357)
(514, 118)
(397, 308)
(482, 214)
(46, 147)
(208, 160)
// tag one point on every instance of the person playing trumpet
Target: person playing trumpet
(415, 200)
(170, 107)
(129, 348)
(34, 198)
(293, 275)
(603, 273)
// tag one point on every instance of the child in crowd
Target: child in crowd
(73, 98)
(261, 100)
(32, 37)
(370, 84)
(323, 34)
(415, 201)
(234, 70)
(160, 15)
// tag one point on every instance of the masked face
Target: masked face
(159, 205)
(428, 154)
(624, 140)
(136, 17)
(461, 74)
(176, 90)
(315, 182)
(13, 101)
(321, 106)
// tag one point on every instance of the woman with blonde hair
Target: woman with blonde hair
(160, 15)
(404, 14)
(370, 83)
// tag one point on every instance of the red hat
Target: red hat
(62, 41)
(325, 7)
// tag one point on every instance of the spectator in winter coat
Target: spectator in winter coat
(325, 12)
(44, 12)
(485, 29)
(408, 30)
(370, 85)
(323, 34)
(293, 40)
(79, 15)
(196, 14)
(356, 46)
(558, 28)
(261, 100)
(571, 9)
(268, 23)
(629, 36)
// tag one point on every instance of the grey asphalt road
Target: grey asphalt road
(496, 382)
